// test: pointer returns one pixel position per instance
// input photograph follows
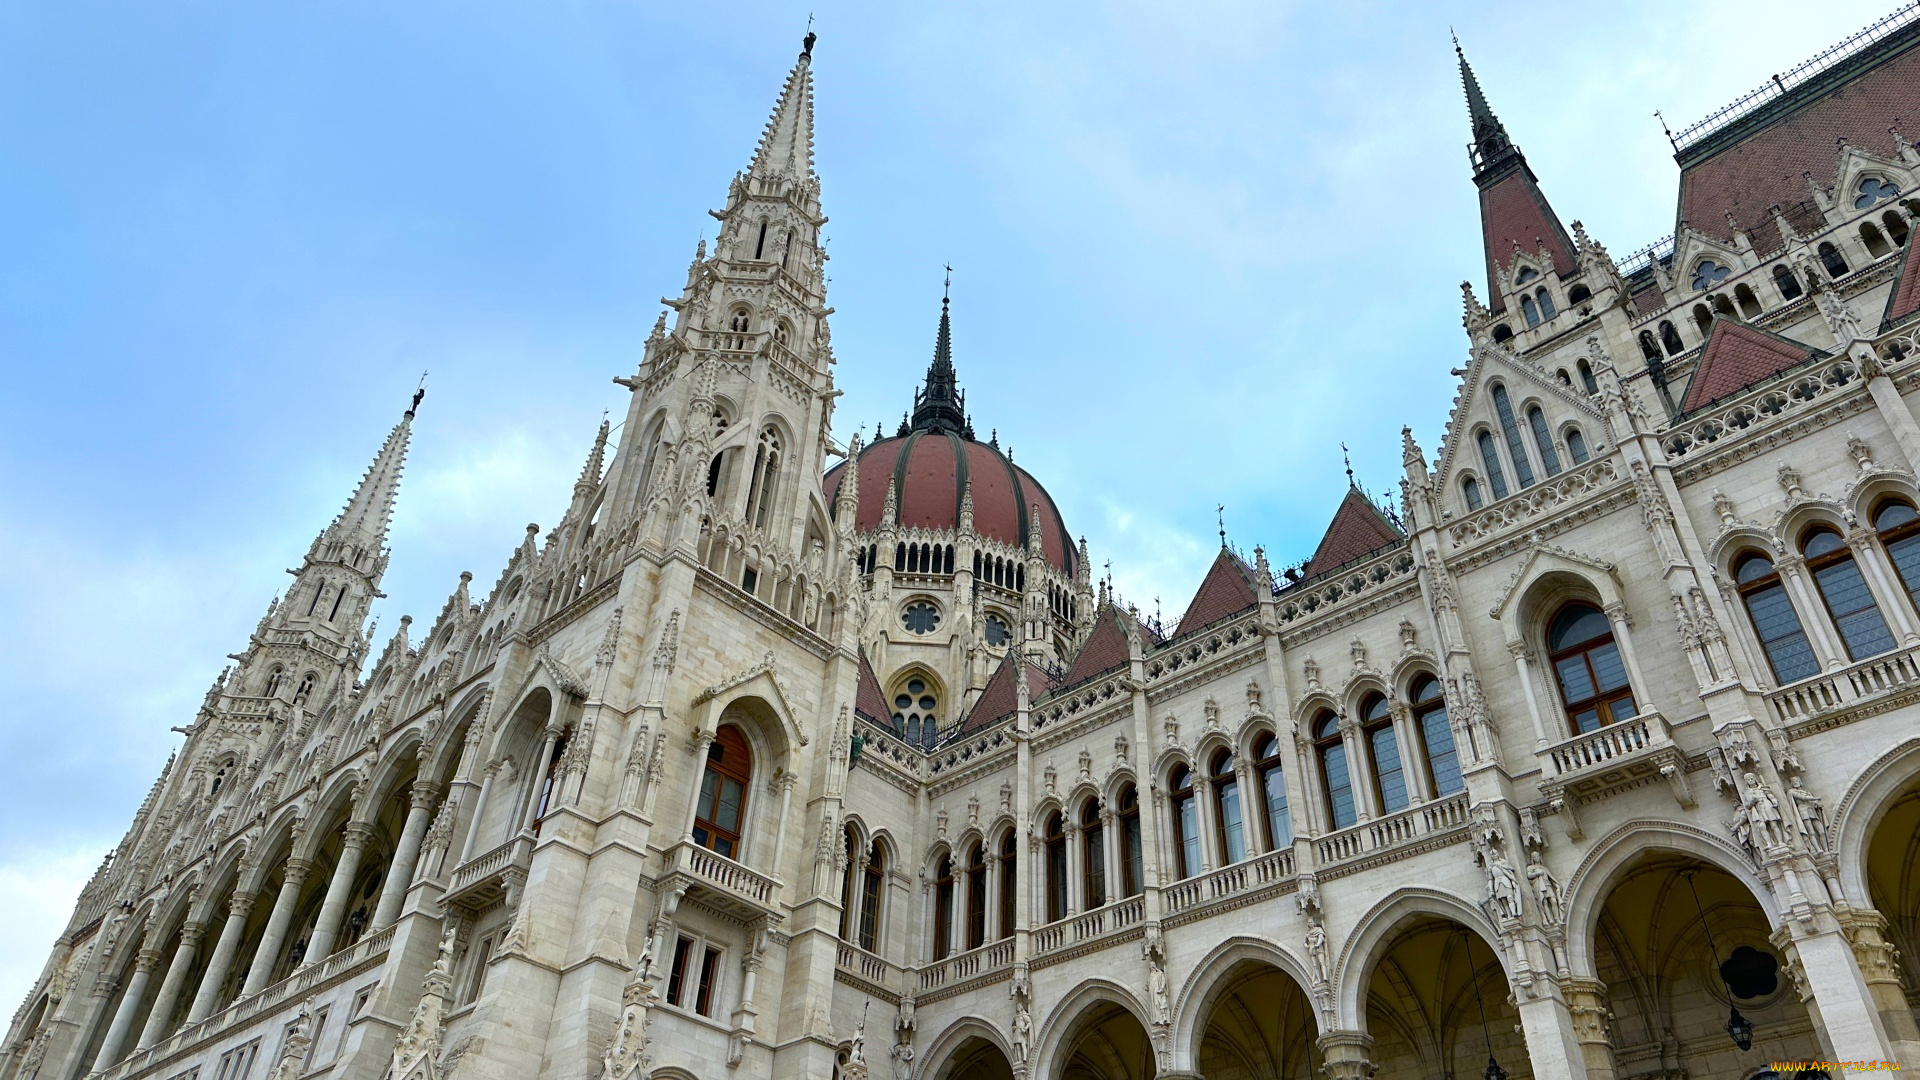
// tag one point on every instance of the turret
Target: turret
(1517, 223)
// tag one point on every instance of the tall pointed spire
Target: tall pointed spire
(1491, 148)
(940, 405)
(786, 147)
(363, 523)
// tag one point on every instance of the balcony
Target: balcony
(1238, 880)
(720, 883)
(990, 960)
(1067, 936)
(1611, 758)
(1427, 825)
(1870, 681)
(863, 965)
(483, 879)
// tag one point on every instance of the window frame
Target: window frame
(1225, 783)
(1093, 861)
(1054, 841)
(1266, 765)
(743, 776)
(1186, 816)
(1376, 712)
(1422, 708)
(1602, 701)
(1770, 580)
(1327, 738)
(1833, 559)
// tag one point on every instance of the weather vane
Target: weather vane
(1348, 460)
(1220, 511)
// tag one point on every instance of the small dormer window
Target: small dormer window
(1708, 274)
(1873, 189)
(1526, 274)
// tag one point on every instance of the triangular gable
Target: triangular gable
(1227, 591)
(1105, 650)
(1736, 357)
(1001, 696)
(1904, 299)
(1514, 213)
(1358, 529)
(1475, 379)
(868, 699)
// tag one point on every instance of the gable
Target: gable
(1226, 591)
(1736, 357)
(1105, 650)
(1358, 530)
(1001, 698)
(868, 699)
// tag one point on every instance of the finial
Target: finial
(1349, 463)
(1220, 511)
(1456, 42)
(806, 43)
(419, 392)
(946, 288)
(1671, 141)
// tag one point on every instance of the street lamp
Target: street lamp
(1738, 1027)
(1494, 1071)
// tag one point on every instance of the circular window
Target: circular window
(916, 711)
(921, 617)
(998, 632)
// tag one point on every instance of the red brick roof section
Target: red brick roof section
(1105, 650)
(868, 699)
(1736, 357)
(1769, 167)
(1904, 299)
(1358, 530)
(930, 497)
(1000, 698)
(1514, 211)
(1227, 590)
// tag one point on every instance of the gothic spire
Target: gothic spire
(1491, 148)
(363, 523)
(940, 405)
(786, 147)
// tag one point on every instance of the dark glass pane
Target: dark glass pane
(1608, 671)
(1136, 872)
(1278, 826)
(727, 816)
(1893, 514)
(1780, 634)
(1822, 543)
(1427, 689)
(1549, 457)
(1577, 444)
(1906, 560)
(1096, 868)
(1752, 568)
(1622, 709)
(1231, 829)
(1854, 611)
(1522, 469)
(707, 785)
(1189, 835)
(1576, 625)
(1490, 458)
(1587, 720)
(1441, 755)
(1575, 683)
(1339, 786)
(723, 846)
(1386, 765)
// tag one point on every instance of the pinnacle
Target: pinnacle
(369, 511)
(786, 146)
(1491, 146)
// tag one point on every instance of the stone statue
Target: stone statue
(1546, 891)
(1763, 812)
(1154, 950)
(1022, 1032)
(1503, 885)
(1813, 818)
(1317, 952)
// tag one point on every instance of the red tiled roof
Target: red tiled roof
(1648, 301)
(1106, 648)
(1358, 529)
(1769, 167)
(1904, 299)
(1736, 357)
(930, 480)
(868, 699)
(1227, 590)
(1000, 698)
(1514, 211)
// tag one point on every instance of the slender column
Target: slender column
(1209, 828)
(1812, 612)
(1893, 602)
(1253, 808)
(1523, 667)
(129, 1004)
(170, 987)
(1346, 1054)
(277, 922)
(1110, 852)
(339, 890)
(1413, 761)
(1359, 770)
(531, 815)
(1076, 873)
(1617, 618)
(222, 959)
(400, 874)
(479, 812)
(990, 923)
(785, 783)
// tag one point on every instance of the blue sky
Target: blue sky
(1196, 247)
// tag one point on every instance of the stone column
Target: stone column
(1413, 757)
(1879, 965)
(1552, 1045)
(1811, 612)
(277, 922)
(1622, 636)
(400, 874)
(1359, 770)
(1523, 667)
(784, 783)
(1076, 874)
(222, 959)
(990, 924)
(1346, 1054)
(479, 812)
(339, 891)
(170, 987)
(129, 1004)
(1587, 1003)
(1253, 808)
(1822, 968)
(1210, 846)
(1110, 853)
(531, 816)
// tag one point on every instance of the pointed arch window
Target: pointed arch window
(1226, 809)
(1056, 844)
(765, 482)
(1587, 380)
(1430, 720)
(1577, 446)
(872, 879)
(849, 849)
(943, 907)
(276, 678)
(1186, 821)
(1545, 300)
(1093, 856)
(1786, 282)
(1899, 527)
(1743, 295)
(1875, 243)
(1670, 340)
(719, 815)
(1529, 312)
(976, 895)
(1383, 747)
(1271, 771)
(1543, 441)
(1649, 349)
(1490, 460)
(1897, 229)
(304, 691)
(1009, 882)
(1133, 875)
(1831, 258)
(916, 710)
(1331, 749)
(1593, 678)
(1863, 630)
(1774, 621)
(1503, 407)
(1470, 490)
(1707, 274)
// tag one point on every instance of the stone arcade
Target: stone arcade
(779, 757)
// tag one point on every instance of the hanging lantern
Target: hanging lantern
(1741, 1029)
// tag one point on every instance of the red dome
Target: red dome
(932, 468)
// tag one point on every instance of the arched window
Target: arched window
(1899, 528)
(1543, 441)
(916, 709)
(1876, 243)
(1872, 189)
(1430, 719)
(943, 907)
(849, 847)
(1503, 407)
(1703, 318)
(276, 678)
(1587, 380)
(1226, 809)
(1133, 877)
(305, 689)
(1545, 300)
(1896, 227)
(1577, 445)
(1579, 294)
(1721, 305)
(717, 817)
(1470, 490)
(1749, 303)
(1186, 822)
(1649, 348)
(1863, 630)
(1383, 746)
(976, 896)
(1670, 340)
(1269, 767)
(740, 322)
(1093, 856)
(1331, 749)
(1490, 459)
(1786, 282)
(1056, 839)
(1593, 678)
(716, 472)
(1503, 332)
(1526, 274)
(1774, 620)
(1009, 882)
(1707, 274)
(1529, 312)
(550, 780)
(765, 483)
(1831, 258)
(872, 877)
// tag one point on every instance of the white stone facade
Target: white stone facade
(497, 855)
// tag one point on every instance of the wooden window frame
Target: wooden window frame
(739, 770)
(1602, 701)
(1055, 833)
